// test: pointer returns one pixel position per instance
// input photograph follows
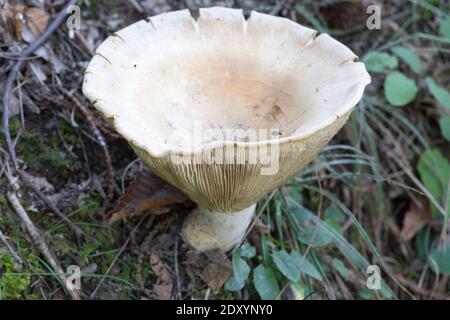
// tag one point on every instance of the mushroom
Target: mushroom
(224, 108)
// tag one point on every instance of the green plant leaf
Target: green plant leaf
(266, 282)
(444, 27)
(366, 294)
(233, 284)
(346, 248)
(340, 267)
(308, 268)
(335, 214)
(410, 58)
(247, 250)
(333, 224)
(299, 290)
(434, 172)
(241, 270)
(439, 93)
(380, 61)
(444, 124)
(439, 260)
(317, 236)
(288, 264)
(399, 89)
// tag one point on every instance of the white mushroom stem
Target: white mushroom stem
(205, 229)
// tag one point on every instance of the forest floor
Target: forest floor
(378, 194)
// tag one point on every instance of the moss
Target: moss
(88, 249)
(128, 268)
(3, 220)
(224, 295)
(13, 285)
(35, 150)
(90, 204)
(68, 133)
(14, 125)
(3, 200)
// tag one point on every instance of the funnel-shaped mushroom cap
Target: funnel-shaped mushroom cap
(166, 83)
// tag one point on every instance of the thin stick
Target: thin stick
(10, 249)
(40, 243)
(5, 120)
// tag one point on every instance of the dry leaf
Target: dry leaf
(417, 216)
(212, 266)
(147, 193)
(37, 20)
(17, 21)
(217, 271)
(162, 290)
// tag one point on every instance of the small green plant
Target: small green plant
(13, 285)
(399, 89)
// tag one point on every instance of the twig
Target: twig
(40, 243)
(5, 101)
(10, 249)
(100, 139)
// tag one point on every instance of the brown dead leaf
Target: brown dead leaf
(416, 217)
(37, 20)
(162, 289)
(17, 21)
(217, 271)
(147, 193)
(212, 266)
